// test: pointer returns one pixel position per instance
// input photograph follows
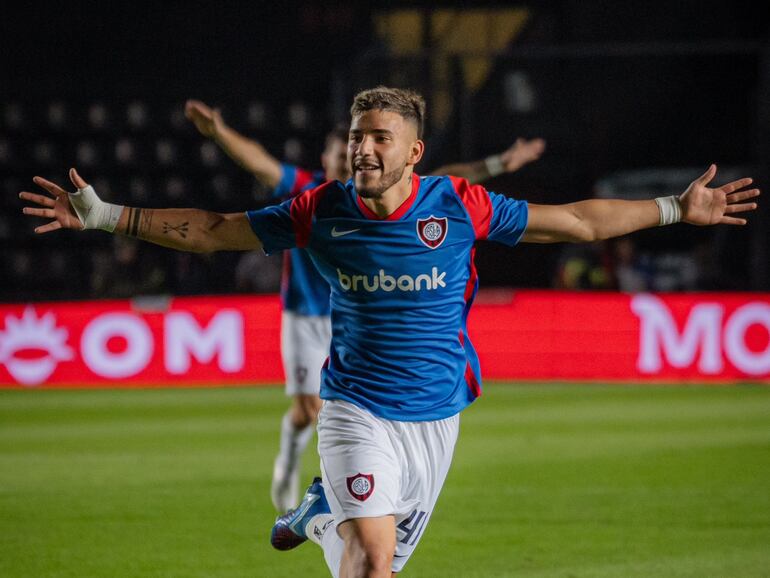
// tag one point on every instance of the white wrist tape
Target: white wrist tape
(93, 212)
(670, 210)
(494, 165)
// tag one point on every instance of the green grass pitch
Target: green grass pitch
(561, 481)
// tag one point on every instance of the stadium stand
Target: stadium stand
(141, 152)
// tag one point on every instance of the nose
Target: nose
(365, 147)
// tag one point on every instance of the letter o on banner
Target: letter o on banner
(750, 362)
(100, 360)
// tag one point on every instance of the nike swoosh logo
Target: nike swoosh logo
(336, 233)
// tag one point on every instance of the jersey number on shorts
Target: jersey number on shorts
(413, 526)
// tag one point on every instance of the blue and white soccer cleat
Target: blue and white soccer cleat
(289, 529)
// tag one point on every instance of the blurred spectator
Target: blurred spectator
(127, 271)
(632, 271)
(21, 269)
(258, 273)
(707, 263)
(675, 272)
(585, 267)
(190, 273)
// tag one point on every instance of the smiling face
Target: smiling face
(382, 148)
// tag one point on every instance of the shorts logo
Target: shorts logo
(360, 486)
(432, 231)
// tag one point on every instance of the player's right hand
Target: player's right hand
(57, 208)
(522, 152)
(207, 120)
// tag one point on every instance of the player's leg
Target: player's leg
(297, 427)
(304, 348)
(427, 448)
(362, 547)
(304, 410)
(381, 480)
(369, 547)
(362, 480)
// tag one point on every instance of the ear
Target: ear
(416, 151)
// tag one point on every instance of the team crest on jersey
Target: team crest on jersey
(432, 231)
(360, 486)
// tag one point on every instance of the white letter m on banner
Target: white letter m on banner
(222, 337)
(658, 335)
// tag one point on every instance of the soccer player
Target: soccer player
(397, 251)
(305, 324)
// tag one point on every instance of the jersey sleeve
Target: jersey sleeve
(274, 227)
(494, 217)
(294, 180)
(288, 224)
(509, 219)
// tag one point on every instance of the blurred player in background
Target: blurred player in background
(305, 324)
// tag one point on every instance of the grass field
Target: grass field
(548, 481)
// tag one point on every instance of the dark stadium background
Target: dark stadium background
(641, 472)
(619, 86)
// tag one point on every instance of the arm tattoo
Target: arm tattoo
(146, 222)
(181, 228)
(133, 219)
(133, 222)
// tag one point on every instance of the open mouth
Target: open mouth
(366, 168)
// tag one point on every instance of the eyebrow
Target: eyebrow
(372, 131)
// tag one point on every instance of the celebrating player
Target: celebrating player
(397, 251)
(305, 325)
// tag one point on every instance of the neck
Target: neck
(390, 200)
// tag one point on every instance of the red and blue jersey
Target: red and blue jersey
(303, 290)
(401, 288)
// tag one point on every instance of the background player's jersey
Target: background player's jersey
(303, 290)
(401, 288)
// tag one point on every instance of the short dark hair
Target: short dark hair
(339, 132)
(408, 103)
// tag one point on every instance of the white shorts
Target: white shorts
(304, 348)
(374, 467)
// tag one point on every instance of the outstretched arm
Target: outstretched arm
(597, 219)
(192, 230)
(511, 160)
(248, 153)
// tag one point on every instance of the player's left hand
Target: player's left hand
(702, 205)
(522, 152)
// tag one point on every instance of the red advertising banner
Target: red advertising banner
(539, 335)
(193, 341)
(525, 335)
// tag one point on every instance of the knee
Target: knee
(379, 563)
(313, 407)
(369, 547)
(305, 411)
(371, 560)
